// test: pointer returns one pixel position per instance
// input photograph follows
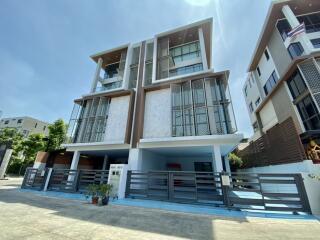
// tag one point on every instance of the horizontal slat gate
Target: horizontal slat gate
(87, 177)
(64, 180)
(200, 187)
(34, 178)
(271, 192)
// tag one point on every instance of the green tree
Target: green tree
(235, 161)
(31, 146)
(13, 139)
(57, 134)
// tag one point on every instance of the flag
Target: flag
(297, 30)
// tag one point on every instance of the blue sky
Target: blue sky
(45, 46)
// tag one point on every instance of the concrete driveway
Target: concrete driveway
(24, 215)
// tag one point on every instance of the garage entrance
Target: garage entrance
(268, 192)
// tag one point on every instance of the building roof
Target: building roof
(24, 117)
(206, 24)
(274, 13)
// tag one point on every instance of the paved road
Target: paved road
(29, 216)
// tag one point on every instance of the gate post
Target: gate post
(25, 177)
(128, 182)
(302, 192)
(225, 185)
(45, 187)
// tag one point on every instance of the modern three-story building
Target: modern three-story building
(157, 105)
(284, 72)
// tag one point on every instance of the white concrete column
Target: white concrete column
(47, 180)
(105, 161)
(291, 18)
(126, 72)
(96, 75)
(155, 60)
(5, 162)
(294, 22)
(135, 159)
(203, 50)
(75, 160)
(217, 160)
(227, 164)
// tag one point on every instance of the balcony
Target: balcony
(110, 69)
(112, 78)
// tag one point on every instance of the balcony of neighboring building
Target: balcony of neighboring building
(110, 70)
(183, 51)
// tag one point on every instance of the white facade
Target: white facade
(117, 119)
(25, 125)
(157, 118)
(131, 102)
(276, 57)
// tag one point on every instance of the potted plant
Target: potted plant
(104, 193)
(92, 190)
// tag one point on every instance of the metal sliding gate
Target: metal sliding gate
(269, 192)
(64, 180)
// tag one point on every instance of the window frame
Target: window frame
(259, 71)
(266, 53)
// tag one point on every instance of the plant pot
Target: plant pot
(94, 200)
(105, 200)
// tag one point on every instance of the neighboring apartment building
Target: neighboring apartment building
(157, 105)
(25, 125)
(284, 72)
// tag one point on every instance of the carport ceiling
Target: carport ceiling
(202, 151)
(118, 153)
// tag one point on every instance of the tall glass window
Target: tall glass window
(302, 99)
(88, 120)
(134, 67)
(271, 82)
(200, 107)
(148, 64)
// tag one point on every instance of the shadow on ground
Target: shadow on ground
(145, 220)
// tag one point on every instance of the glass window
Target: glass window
(266, 54)
(186, 70)
(283, 27)
(246, 90)
(111, 70)
(271, 82)
(309, 113)
(88, 120)
(295, 49)
(311, 21)
(19, 121)
(296, 85)
(258, 70)
(316, 42)
(186, 52)
(203, 166)
(6, 122)
(251, 107)
(193, 115)
(257, 101)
